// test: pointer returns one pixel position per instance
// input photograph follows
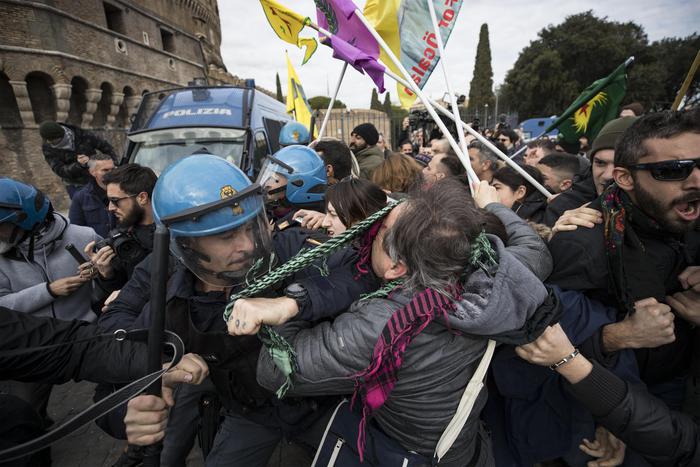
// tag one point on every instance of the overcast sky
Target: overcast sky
(251, 49)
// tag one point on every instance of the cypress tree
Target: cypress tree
(279, 88)
(481, 87)
(374, 103)
(386, 107)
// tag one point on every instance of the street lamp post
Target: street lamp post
(486, 115)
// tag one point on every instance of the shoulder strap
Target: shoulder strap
(466, 404)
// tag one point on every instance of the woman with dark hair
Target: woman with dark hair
(350, 201)
(520, 195)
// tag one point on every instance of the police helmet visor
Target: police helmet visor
(229, 258)
(273, 178)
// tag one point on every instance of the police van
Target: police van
(240, 124)
(533, 127)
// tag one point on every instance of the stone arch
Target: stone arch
(127, 107)
(103, 106)
(10, 116)
(40, 95)
(78, 100)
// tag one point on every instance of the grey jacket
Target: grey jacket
(369, 159)
(24, 284)
(437, 364)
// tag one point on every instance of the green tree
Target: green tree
(279, 88)
(659, 72)
(374, 103)
(321, 103)
(386, 106)
(550, 72)
(481, 86)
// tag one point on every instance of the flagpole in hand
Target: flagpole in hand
(485, 141)
(453, 100)
(330, 104)
(414, 87)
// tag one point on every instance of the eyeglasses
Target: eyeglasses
(115, 201)
(669, 171)
(503, 140)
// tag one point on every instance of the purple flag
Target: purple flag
(352, 42)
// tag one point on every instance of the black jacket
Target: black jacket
(141, 239)
(582, 192)
(580, 263)
(532, 208)
(89, 208)
(662, 436)
(106, 361)
(64, 162)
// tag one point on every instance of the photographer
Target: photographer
(129, 190)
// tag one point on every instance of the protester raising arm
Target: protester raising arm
(646, 424)
(522, 243)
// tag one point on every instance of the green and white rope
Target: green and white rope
(280, 350)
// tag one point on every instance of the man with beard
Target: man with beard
(640, 254)
(591, 181)
(363, 142)
(129, 190)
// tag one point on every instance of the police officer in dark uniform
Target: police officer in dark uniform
(293, 178)
(222, 240)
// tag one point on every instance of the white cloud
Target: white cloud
(252, 50)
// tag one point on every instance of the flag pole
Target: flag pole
(330, 104)
(455, 108)
(414, 87)
(570, 111)
(485, 141)
(686, 82)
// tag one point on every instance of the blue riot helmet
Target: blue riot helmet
(218, 227)
(22, 207)
(294, 133)
(294, 176)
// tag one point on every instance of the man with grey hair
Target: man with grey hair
(446, 283)
(89, 204)
(484, 161)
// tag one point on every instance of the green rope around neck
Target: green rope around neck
(281, 352)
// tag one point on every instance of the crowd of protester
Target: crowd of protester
(476, 323)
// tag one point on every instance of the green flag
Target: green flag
(596, 106)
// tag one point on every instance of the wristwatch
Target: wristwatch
(298, 293)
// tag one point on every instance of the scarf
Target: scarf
(365, 249)
(68, 140)
(630, 276)
(375, 383)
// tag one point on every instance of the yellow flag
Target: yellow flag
(383, 15)
(297, 105)
(287, 25)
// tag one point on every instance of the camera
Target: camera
(125, 246)
(419, 119)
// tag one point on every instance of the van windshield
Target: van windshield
(158, 149)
